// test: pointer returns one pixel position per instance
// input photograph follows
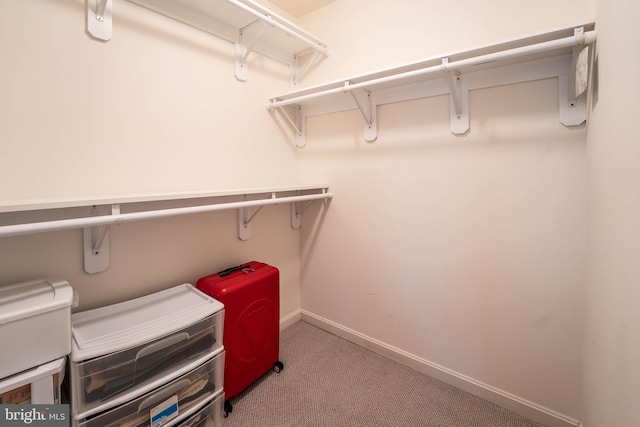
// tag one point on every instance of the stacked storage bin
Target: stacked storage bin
(153, 361)
(35, 331)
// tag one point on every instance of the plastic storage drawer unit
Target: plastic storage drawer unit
(209, 416)
(174, 400)
(40, 385)
(121, 348)
(35, 324)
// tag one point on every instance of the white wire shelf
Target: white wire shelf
(247, 24)
(544, 55)
(95, 216)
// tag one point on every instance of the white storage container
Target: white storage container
(40, 385)
(120, 349)
(35, 324)
(168, 404)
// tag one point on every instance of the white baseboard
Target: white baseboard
(290, 319)
(494, 395)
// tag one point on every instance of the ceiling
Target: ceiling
(299, 8)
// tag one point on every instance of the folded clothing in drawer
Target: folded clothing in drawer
(168, 404)
(121, 347)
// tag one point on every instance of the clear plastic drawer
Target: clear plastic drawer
(168, 404)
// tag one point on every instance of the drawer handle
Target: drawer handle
(162, 344)
(163, 394)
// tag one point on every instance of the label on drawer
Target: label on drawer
(164, 412)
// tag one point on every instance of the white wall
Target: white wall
(156, 109)
(464, 252)
(468, 252)
(612, 315)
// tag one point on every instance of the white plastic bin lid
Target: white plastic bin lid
(27, 299)
(127, 324)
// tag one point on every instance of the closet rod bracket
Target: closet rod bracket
(297, 122)
(96, 243)
(298, 71)
(245, 216)
(368, 108)
(99, 19)
(244, 47)
(459, 100)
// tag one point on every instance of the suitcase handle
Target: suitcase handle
(230, 270)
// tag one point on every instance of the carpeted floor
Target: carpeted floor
(328, 381)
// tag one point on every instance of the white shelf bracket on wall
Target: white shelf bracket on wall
(99, 19)
(245, 216)
(298, 71)
(572, 86)
(244, 47)
(459, 110)
(297, 123)
(96, 243)
(368, 109)
(296, 213)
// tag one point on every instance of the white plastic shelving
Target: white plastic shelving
(96, 215)
(545, 55)
(247, 24)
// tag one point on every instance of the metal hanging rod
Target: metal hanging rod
(65, 224)
(578, 39)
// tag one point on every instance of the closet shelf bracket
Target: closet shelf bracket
(244, 47)
(298, 71)
(245, 216)
(96, 243)
(368, 109)
(296, 213)
(297, 123)
(459, 97)
(99, 19)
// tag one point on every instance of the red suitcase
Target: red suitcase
(251, 296)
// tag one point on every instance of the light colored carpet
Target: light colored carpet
(328, 381)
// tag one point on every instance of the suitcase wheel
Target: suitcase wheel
(278, 366)
(228, 408)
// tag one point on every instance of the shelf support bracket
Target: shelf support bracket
(243, 49)
(96, 244)
(368, 109)
(296, 211)
(245, 216)
(99, 19)
(297, 123)
(459, 100)
(297, 71)
(572, 86)
(573, 112)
